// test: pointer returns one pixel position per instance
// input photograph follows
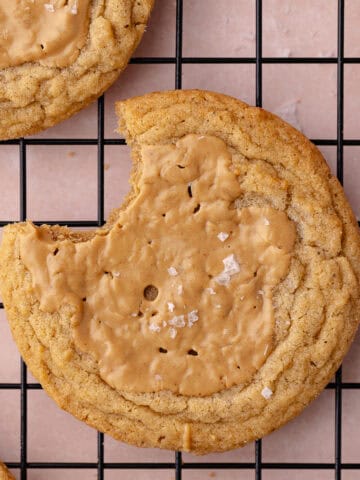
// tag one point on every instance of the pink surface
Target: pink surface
(62, 185)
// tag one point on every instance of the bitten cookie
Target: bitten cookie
(57, 56)
(215, 304)
(4, 473)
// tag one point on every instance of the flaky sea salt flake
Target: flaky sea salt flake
(49, 7)
(222, 236)
(172, 271)
(231, 265)
(180, 289)
(172, 332)
(192, 317)
(266, 392)
(158, 378)
(210, 290)
(222, 279)
(171, 306)
(177, 321)
(266, 221)
(154, 328)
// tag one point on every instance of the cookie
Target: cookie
(4, 473)
(58, 56)
(215, 304)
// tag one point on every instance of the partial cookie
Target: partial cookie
(58, 56)
(215, 304)
(4, 473)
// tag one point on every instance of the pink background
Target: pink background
(62, 186)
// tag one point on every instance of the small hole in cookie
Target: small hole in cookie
(149, 242)
(255, 273)
(154, 313)
(161, 438)
(84, 299)
(180, 166)
(238, 367)
(192, 352)
(162, 350)
(140, 314)
(150, 293)
(189, 191)
(56, 251)
(197, 208)
(164, 215)
(42, 46)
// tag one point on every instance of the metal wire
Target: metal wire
(178, 60)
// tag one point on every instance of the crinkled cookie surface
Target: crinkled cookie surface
(35, 95)
(316, 305)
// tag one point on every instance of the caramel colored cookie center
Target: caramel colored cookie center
(51, 32)
(178, 294)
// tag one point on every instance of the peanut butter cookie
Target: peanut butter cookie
(4, 473)
(57, 56)
(215, 304)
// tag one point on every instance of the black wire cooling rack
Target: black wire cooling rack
(177, 466)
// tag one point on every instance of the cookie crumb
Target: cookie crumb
(71, 154)
(266, 392)
(172, 271)
(116, 274)
(222, 236)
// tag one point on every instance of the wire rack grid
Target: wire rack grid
(178, 466)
